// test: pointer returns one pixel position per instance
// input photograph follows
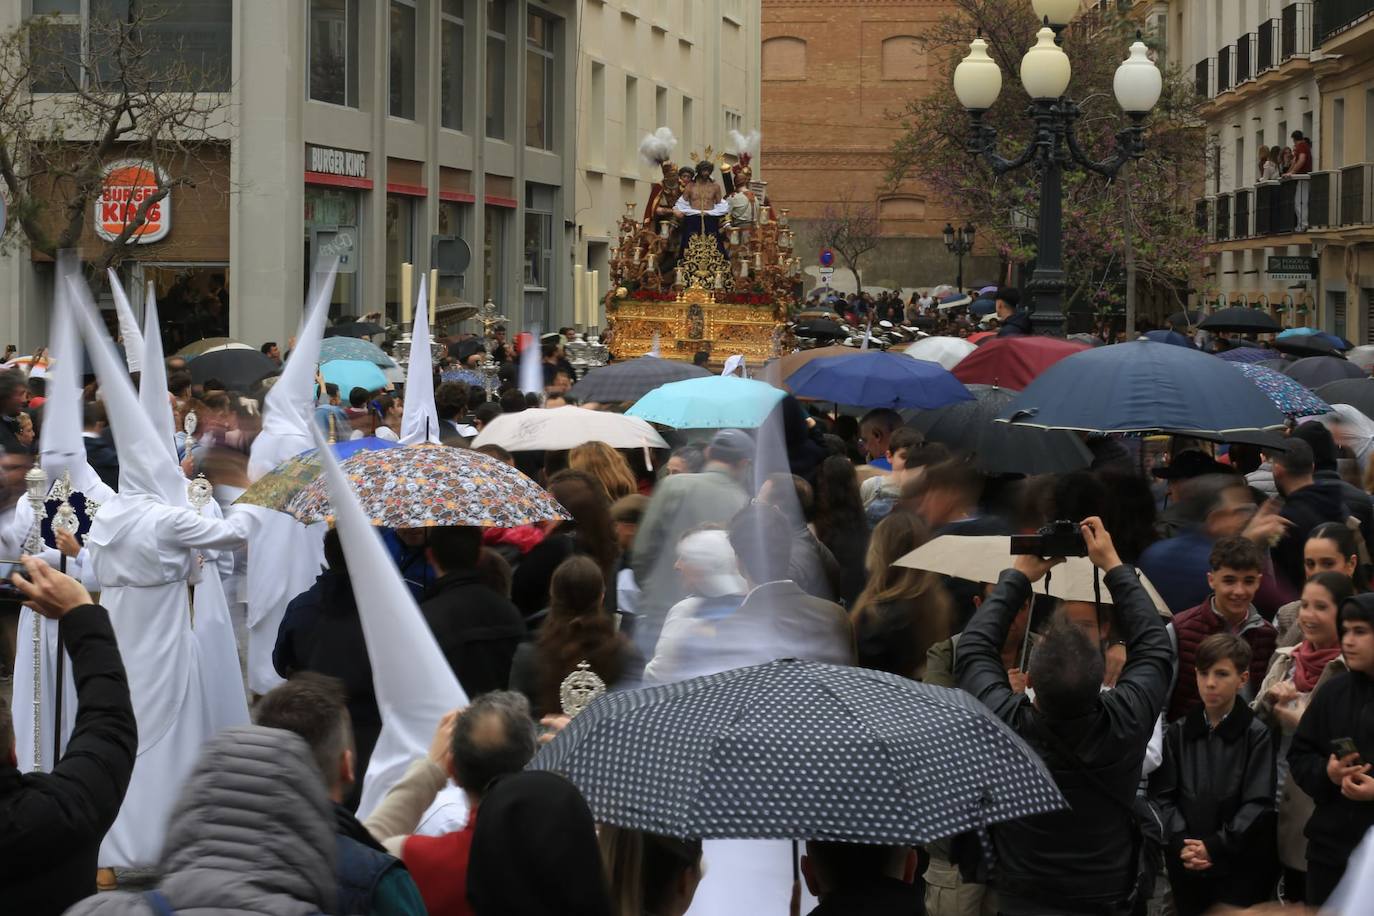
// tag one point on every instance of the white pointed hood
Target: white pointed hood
(289, 409)
(60, 443)
(420, 419)
(414, 685)
(143, 470)
(152, 381)
(128, 324)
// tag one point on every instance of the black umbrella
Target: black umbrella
(799, 750)
(820, 328)
(1241, 320)
(632, 379)
(1307, 345)
(1315, 371)
(1001, 448)
(1357, 392)
(238, 369)
(353, 329)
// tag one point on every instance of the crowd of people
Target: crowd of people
(1211, 748)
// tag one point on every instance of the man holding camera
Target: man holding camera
(1083, 859)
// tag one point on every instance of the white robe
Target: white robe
(144, 553)
(284, 560)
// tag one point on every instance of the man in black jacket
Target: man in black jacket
(1081, 859)
(1305, 506)
(477, 629)
(51, 824)
(1326, 473)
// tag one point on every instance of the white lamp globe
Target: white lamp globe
(1058, 12)
(1137, 83)
(977, 79)
(1045, 70)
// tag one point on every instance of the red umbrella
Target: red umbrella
(1012, 362)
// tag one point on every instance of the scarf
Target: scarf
(1309, 663)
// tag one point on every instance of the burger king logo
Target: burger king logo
(124, 186)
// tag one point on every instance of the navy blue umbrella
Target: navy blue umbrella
(1315, 371)
(1143, 387)
(877, 379)
(1170, 337)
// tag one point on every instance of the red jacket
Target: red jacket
(1191, 628)
(439, 865)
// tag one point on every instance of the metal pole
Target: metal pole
(959, 281)
(1047, 282)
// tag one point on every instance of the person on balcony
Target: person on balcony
(1302, 165)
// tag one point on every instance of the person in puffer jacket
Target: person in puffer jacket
(252, 833)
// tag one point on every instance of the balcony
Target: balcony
(1266, 46)
(1337, 16)
(1240, 214)
(1266, 207)
(1245, 58)
(1357, 194)
(1223, 217)
(1202, 216)
(1295, 29)
(1224, 77)
(1202, 78)
(1325, 189)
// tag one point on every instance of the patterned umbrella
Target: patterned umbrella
(332, 348)
(1245, 355)
(1288, 396)
(799, 750)
(632, 379)
(459, 375)
(275, 489)
(424, 486)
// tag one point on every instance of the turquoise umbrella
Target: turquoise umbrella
(717, 402)
(353, 373)
(332, 348)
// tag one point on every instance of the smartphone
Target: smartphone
(1344, 747)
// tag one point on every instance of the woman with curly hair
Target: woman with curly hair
(606, 465)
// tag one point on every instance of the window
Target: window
(538, 278)
(401, 61)
(455, 219)
(688, 124)
(331, 229)
(494, 254)
(902, 58)
(55, 45)
(334, 51)
(496, 69)
(539, 93)
(451, 65)
(596, 134)
(400, 248)
(1337, 133)
(631, 122)
(1368, 126)
(733, 121)
(784, 58)
(660, 107)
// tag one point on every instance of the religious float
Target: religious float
(701, 267)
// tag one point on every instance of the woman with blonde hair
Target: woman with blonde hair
(606, 465)
(902, 612)
(648, 873)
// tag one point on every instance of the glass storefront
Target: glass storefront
(400, 248)
(331, 229)
(494, 255)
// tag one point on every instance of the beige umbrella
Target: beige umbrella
(983, 559)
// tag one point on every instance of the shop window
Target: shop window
(494, 254)
(400, 248)
(539, 91)
(334, 51)
(192, 301)
(331, 230)
(784, 58)
(451, 65)
(497, 25)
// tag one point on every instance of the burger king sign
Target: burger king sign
(124, 186)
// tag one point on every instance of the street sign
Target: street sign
(1292, 267)
(827, 272)
(827, 258)
(338, 243)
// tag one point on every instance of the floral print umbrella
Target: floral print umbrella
(1288, 396)
(424, 486)
(275, 489)
(333, 348)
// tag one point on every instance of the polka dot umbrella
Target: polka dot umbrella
(802, 751)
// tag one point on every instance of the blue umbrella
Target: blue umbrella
(353, 373)
(1143, 387)
(332, 348)
(877, 379)
(1288, 396)
(1245, 355)
(717, 402)
(1170, 337)
(1337, 342)
(983, 307)
(461, 375)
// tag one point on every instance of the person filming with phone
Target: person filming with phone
(1083, 859)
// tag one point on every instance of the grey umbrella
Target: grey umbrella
(1357, 392)
(632, 379)
(1315, 371)
(800, 750)
(1001, 448)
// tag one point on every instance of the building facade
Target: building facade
(366, 129)
(692, 67)
(836, 73)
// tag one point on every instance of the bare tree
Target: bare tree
(74, 96)
(851, 229)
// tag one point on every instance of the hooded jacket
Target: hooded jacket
(252, 833)
(1018, 324)
(1343, 708)
(1306, 508)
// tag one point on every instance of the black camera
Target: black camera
(1057, 539)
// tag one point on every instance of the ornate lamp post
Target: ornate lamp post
(959, 242)
(1045, 73)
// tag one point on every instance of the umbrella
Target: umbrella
(947, 351)
(777, 371)
(467, 376)
(275, 489)
(1244, 355)
(877, 379)
(632, 379)
(1142, 387)
(353, 373)
(206, 344)
(1306, 345)
(354, 348)
(952, 302)
(562, 428)
(1337, 342)
(1013, 362)
(1362, 357)
(1278, 365)
(1315, 371)
(1357, 392)
(799, 750)
(1241, 320)
(1288, 396)
(354, 329)
(821, 329)
(982, 307)
(1186, 318)
(1170, 337)
(718, 402)
(426, 485)
(1087, 340)
(1001, 448)
(238, 369)
(984, 558)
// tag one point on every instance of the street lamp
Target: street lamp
(1045, 74)
(959, 242)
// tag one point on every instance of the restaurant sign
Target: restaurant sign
(326, 160)
(1291, 267)
(124, 187)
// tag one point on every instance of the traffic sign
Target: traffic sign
(827, 257)
(827, 272)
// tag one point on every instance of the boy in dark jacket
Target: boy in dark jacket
(1331, 751)
(1215, 789)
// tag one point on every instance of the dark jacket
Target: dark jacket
(1306, 509)
(103, 459)
(1218, 786)
(530, 586)
(1343, 708)
(370, 882)
(1078, 860)
(476, 628)
(880, 897)
(1018, 324)
(1190, 629)
(51, 824)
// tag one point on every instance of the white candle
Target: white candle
(433, 296)
(758, 261)
(579, 296)
(407, 289)
(594, 298)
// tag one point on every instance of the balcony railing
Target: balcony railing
(1357, 194)
(1245, 57)
(1224, 59)
(1286, 220)
(1266, 207)
(1202, 78)
(1202, 216)
(1266, 57)
(1223, 217)
(1335, 16)
(1324, 190)
(1240, 214)
(1295, 29)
